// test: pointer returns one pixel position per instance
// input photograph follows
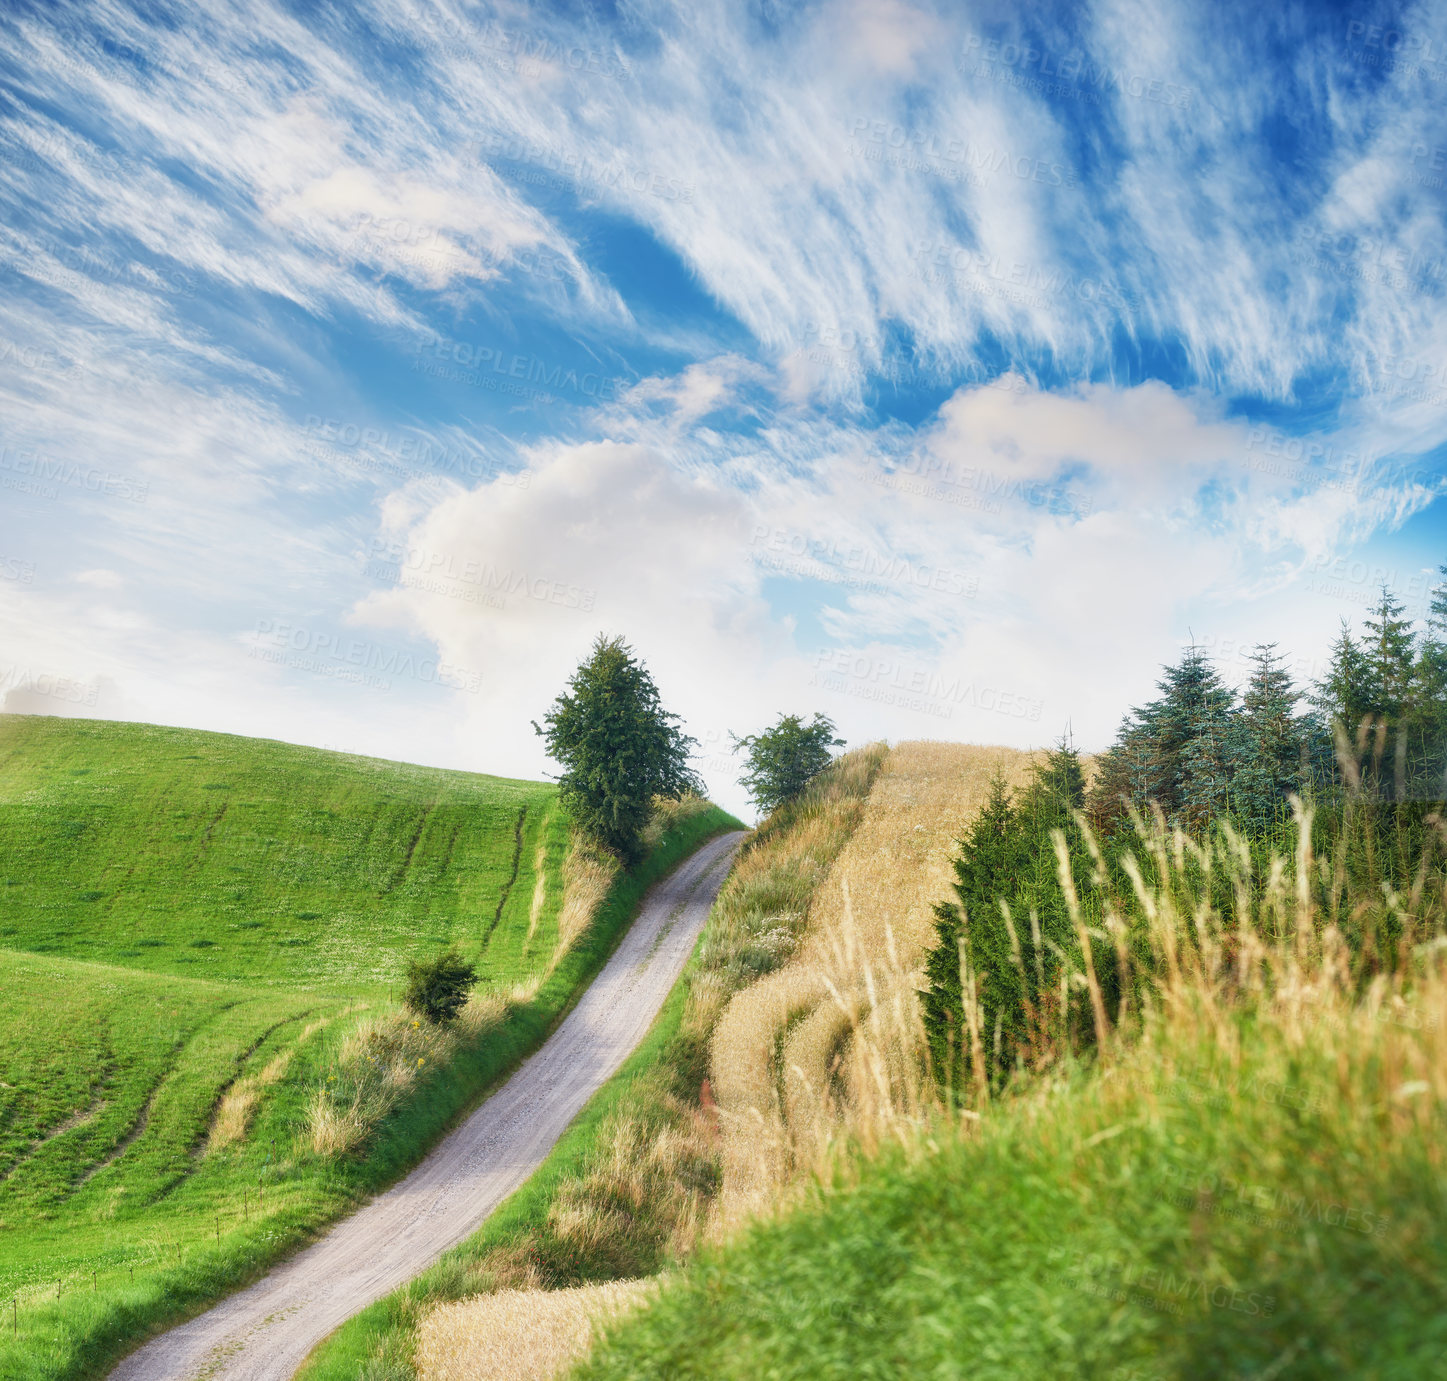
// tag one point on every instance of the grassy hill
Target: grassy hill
(1237, 1171)
(1238, 1197)
(252, 905)
(221, 857)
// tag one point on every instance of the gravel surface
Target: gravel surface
(266, 1331)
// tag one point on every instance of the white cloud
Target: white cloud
(868, 205)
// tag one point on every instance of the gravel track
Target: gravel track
(266, 1331)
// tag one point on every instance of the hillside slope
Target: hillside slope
(788, 1070)
(239, 1072)
(221, 857)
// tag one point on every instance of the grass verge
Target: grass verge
(1241, 1176)
(506, 1252)
(1224, 1202)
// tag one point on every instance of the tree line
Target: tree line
(1204, 754)
(1365, 747)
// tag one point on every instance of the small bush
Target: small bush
(437, 989)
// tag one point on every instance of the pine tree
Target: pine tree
(1372, 681)
(1206, 758)
(1431, 672)
(1344, 694)
(1427, 715)
(1051, 802)
(1187, 732)
(1268, 746)
(1390, 649)
(986, 870)
(1122, 779)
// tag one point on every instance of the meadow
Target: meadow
(214, 856)
(237, 1073)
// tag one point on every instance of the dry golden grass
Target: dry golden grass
(644, 1172)
(763, 908)
(828, 1046)
(588, 872)
(521, 1335)
(379, 1062)
(234, 1112)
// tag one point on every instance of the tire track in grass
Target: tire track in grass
(400, 871)
(99, 1102)
(517, 853)
(137, 1128)
(203, 1136)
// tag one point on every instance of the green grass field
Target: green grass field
(184, 915)
(242, 859)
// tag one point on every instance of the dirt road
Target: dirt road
(264, 1333)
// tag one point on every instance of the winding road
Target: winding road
(266, 1331)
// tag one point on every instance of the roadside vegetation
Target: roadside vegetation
(1243, 1178)
(1171, 1102)
(630, 1188)
(165, 1136)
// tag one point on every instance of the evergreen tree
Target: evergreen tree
(1205, 764)
(1178, 754)
(1390, 653)
(1375, 682)
(1431, 671)
(1268, 747)
(986, 870)
(1427, 718)
(1057, 789)
(1122, 778)
(1344, 695)
(1008, 856)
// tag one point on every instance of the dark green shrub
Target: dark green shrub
(437, 988)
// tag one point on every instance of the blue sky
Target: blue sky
(941, 368)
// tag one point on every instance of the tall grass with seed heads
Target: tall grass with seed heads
(1232, 1165)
